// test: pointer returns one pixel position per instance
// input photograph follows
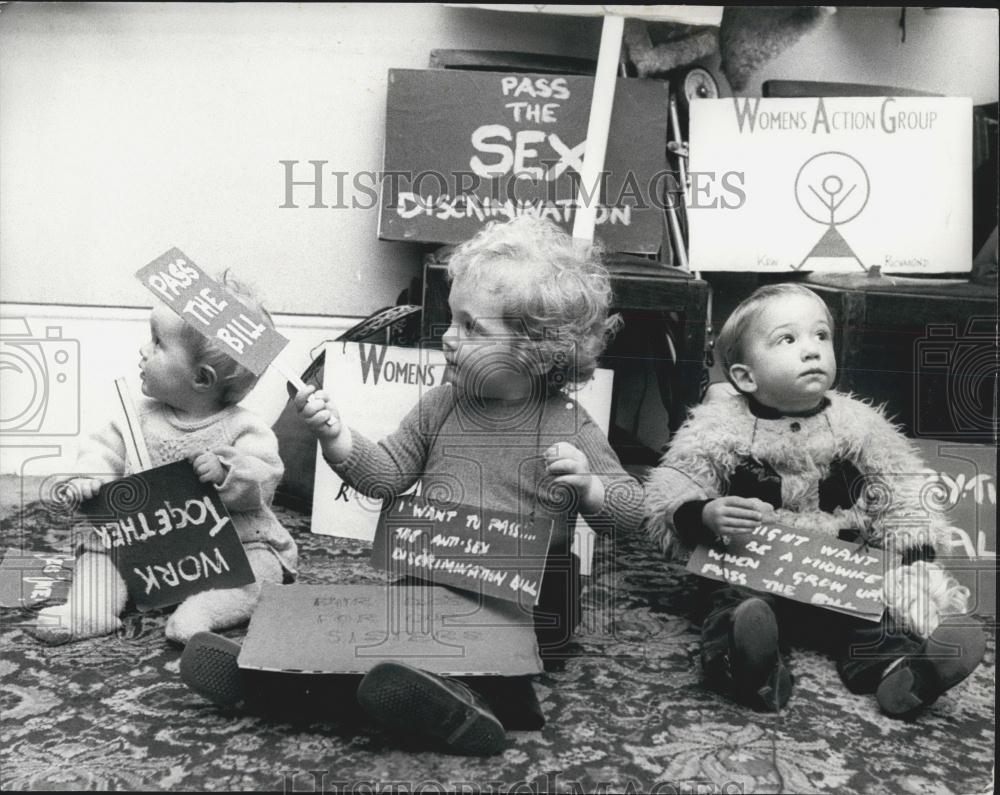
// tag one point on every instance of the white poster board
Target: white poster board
(374, 386)
(831, 184)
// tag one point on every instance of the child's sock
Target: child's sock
(410, 700)
(760, 676)
(208, 666)
(61, 624)
(947, 657)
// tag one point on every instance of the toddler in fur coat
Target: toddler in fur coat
(789, 449)
(192, 389)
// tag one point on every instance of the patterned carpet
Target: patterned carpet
(628, 713)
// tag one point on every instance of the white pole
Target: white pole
(597, 128)
(134, 440)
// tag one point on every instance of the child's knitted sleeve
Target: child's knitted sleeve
(253, 467)
(102, 454)
(389, 467)
(622, 510)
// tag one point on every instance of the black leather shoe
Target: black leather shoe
(410, 700)
(917, 680)
(759, 675)
(208, 666)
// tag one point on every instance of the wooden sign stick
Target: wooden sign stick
(598, 125)
(135, 443)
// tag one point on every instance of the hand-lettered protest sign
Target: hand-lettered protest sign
(169, 534)
(206, 306)
(831, 184)
(488, 552)
(31, 578)
(314, 629)
(466, 148)
(788, 562)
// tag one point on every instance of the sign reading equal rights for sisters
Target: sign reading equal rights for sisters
(831, 184)
(169, 535)
(464, 148)
(489, 552)
(788, 562)
(205, 305)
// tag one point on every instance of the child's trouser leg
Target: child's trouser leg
(97, 598)
(868, 648)
(740, 654)
(222, 608)
(557, 613)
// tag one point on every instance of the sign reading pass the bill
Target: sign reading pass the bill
(787, 562)
(169, 535)
(488, 552)
(205, 305)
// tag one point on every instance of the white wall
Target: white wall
(131, 128)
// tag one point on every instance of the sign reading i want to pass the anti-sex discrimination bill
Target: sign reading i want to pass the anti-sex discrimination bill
(786, 561)
(205, 305)
(831, 184)
(169, 535)
(464, 148)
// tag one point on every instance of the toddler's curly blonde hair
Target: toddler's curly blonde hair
(555, 292)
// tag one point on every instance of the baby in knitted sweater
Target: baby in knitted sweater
(192, 389)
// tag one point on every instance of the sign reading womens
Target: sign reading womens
(205, 305)
(788, 562)
(488, 552)
(464, 148)
(169, 535)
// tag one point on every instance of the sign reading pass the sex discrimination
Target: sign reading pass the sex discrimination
(788, 562)
(205, 305)
(169, 535)
(484, 551)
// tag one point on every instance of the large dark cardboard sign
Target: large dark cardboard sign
(344, 629)
(205, 305)
(490, 552)
(787, 562)
(169, 535)
(464, 148)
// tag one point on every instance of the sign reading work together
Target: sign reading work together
(831, 184)
(464, 148)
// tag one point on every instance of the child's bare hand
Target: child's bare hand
(208, 466)
(571, 467)
(87, 488)
(318, 413)
(728, 516)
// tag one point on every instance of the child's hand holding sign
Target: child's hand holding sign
(571, 467)
(322, 418)
(726, 516)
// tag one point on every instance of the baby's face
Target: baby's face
(485, 357)
(166, 365)
(788, 355)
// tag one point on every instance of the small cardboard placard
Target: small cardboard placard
(28, 579)
(347, 629)
(484, 551)
(205, 305)
(169, 534)
(785, 561)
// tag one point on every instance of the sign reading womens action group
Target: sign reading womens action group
(831, 184)
(169, 535)
(464, 148)
(787, 562)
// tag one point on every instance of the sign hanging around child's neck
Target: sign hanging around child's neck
(212, 311)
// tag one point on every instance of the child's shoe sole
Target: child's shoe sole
(413, 701)
(208, 666)
(758, 671)
(920, 678)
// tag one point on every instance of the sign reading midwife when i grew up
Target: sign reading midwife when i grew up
(488, 552)
(169, 534)
(831, 184)
(463, 148)
(784, 561)
(204, 305)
